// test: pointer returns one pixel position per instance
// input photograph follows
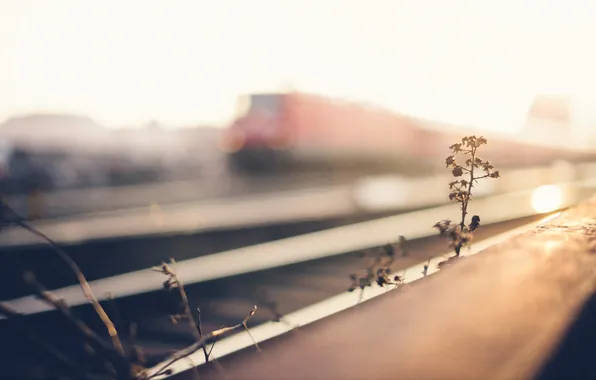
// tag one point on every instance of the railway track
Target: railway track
(115, 242)
(293, 272)
(225, 301)
(109, 257)
(323, 235)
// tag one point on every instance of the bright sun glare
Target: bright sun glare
(183, 62)
(547, 198)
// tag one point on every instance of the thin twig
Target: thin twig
(174, 281)
(200, 331)
(79, 274)
(201, 343)
(466, 199)
(117, 359)
(185, 303)
(211, 349)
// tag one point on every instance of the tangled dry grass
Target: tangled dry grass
(117, 361)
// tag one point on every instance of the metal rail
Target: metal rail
(311, 246)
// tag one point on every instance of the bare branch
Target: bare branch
(75, 269)
(174, 281)
(200, 330)
(118, 360)
(201, 343)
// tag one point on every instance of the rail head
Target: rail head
(522, 308)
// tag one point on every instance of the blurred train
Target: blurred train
(281, 131)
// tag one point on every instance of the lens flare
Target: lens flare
(547, 198)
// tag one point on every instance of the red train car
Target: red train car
(283, 130)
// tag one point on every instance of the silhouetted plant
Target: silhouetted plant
(165, 369)
(173, 282)
(473, 169)
(118, 362)
(379, 267)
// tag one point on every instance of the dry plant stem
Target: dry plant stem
(464, 206)
(82, 281)
(194, 326)
(460, 234)
(68, 365)
(198, 328)
(211, 349)
(201, 343)
(117, 359)
(382, 263)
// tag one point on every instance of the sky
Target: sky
(126, 62)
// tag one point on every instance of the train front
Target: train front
(258, 140)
